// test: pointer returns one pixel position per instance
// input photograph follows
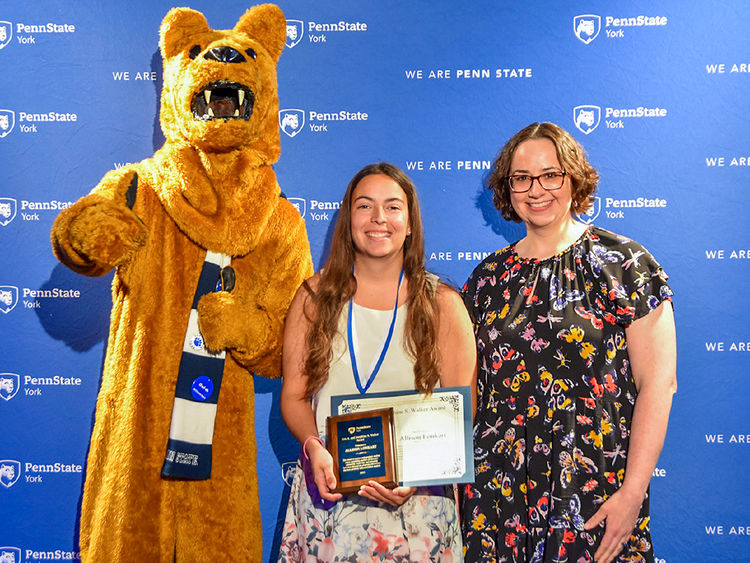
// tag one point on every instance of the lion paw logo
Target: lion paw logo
(10, 471)
(8, 298)
(586, 27)
(6, 33)
(291, 121)
(10, 383)
(196, 342)
(10, 554)
(295, 29)
(8, 208)
(7, 121)
(586, 118)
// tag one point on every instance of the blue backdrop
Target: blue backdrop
(656, 91)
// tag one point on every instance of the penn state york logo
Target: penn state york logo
(7, 121)
(8, 298)
(8, 208)
(295, 29)
(299, 204)
(10, 555)
(6, 33)
(586, 27)
(291, 121)
(10, 471)
(587, 118)
(10, 383)
(590, 216)
(287, 471)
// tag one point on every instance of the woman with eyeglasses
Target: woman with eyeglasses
(576, 351)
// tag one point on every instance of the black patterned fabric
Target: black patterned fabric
(556, 397)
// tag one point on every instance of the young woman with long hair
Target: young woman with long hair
(376, 269)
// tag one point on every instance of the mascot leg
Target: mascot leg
(219, 519)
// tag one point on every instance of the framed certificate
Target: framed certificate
(432, 433)
(361, 444)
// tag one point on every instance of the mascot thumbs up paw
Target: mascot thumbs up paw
(208, 256)
(102, 232)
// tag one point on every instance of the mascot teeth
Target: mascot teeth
(225, 100)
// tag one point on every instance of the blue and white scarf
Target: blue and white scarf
(198, 383)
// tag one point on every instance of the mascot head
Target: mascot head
(220, 90)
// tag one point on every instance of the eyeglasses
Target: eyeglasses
(550, 181)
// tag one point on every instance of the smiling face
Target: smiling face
(539, 208)
(379, 217)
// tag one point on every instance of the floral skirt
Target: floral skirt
(357, 530)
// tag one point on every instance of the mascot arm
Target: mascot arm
(100, 231)
(249, 321)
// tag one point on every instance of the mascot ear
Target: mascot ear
(177, 28)
(265, 24)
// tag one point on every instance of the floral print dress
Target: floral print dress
(556, 397)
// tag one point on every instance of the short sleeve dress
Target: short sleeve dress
(357, 530)
(556, 397)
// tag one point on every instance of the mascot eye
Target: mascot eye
(195, 51)
(251, 53)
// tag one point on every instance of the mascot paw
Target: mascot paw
(106, 233)
(227, 323)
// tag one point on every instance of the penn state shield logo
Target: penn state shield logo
(586, 27)
(7, 121)
(291, 121)
(9, 385)
(8, 208)
(8, 298)
(10, 554)
(586, 118)
(294, 31)
(10, 471)
(589, 216)
(299, 204)
(287, 471)
(6, 33)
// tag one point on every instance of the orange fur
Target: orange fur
(210, 187)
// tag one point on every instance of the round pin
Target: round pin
(196, 343)
(202, 388)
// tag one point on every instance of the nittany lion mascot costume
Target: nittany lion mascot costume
(208, 256)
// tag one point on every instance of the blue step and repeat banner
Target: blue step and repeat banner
(657, 92)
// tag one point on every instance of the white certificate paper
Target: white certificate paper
(433, 434)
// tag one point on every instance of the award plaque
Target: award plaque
(432, 434)
(362, 447)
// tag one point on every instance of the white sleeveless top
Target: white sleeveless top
(396, 372)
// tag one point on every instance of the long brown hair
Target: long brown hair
(337, 285)
(572, 157)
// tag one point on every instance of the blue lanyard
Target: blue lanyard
(352, 354)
